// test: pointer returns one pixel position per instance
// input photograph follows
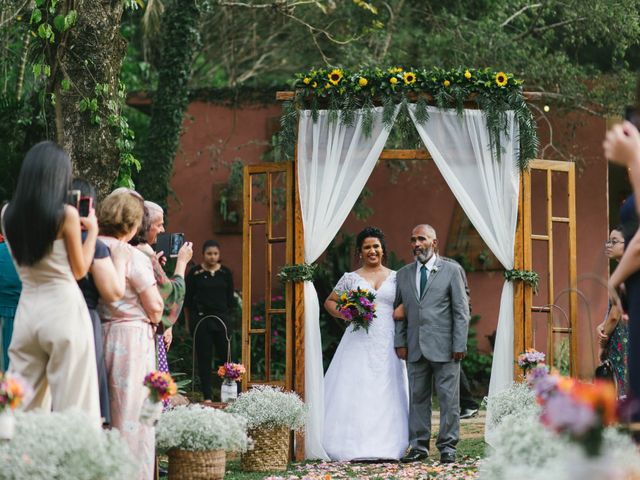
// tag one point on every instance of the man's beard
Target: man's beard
(423, 256)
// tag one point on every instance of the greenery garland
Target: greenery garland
(345, 91)
(527, 276)
(297, 273)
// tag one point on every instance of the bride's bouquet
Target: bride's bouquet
(358, 307)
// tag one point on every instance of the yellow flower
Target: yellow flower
(335, 76)
(343, 297)
(446, 83)
(501, 79)
(314, 84)
(327, 85)
(409, 78)
(394, 70)
(467, 75)
(363, 82)
(306, 80)
(393, 80)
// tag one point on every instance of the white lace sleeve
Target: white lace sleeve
(344, 284)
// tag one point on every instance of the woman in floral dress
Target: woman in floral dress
(613, 332)
(129, 330)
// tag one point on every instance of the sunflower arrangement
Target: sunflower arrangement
(343, 91)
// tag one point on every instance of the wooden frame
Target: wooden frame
(523, 303)
(270, 239)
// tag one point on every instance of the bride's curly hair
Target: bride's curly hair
(371, 232)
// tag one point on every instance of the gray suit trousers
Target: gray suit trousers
(445, 376)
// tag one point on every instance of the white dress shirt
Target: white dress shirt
(430, 264)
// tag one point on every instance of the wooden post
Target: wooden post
(518, 287)
(298, 299)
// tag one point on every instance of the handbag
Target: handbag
(605, 371)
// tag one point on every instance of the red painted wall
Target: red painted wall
(215, 133)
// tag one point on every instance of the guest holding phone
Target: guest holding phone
(172, 289)
(106, 280)
(52, 345)
(209, 292)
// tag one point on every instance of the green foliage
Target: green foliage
(529, 277)
(232, 192)
(476, 364)
(297, 273)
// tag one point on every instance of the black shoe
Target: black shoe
(414, 455)
(468, 413)
(448, 458)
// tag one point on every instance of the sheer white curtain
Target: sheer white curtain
(487, 190)
(334, 164)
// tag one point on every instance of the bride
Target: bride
(366, 393)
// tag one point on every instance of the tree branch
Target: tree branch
(518, 13)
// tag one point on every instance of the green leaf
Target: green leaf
(47, 70)
(59, 23)
(53, 99)
(65, 84)
(84, 104)
(39, 3)
(70, 19)
(36, 16)
(37, 69)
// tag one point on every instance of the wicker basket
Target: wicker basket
(270, 451)
(185, 465)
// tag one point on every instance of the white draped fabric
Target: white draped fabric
(334, 164)
(487, 190)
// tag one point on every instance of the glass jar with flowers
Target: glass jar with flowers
(12, 393)
(231, 373)
(161, 387)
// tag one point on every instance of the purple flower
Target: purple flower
(563, 414)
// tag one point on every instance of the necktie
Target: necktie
(423, 279)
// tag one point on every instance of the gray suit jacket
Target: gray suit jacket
(437, 324)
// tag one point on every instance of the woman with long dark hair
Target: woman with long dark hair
(52, 344)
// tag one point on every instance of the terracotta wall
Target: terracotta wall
(400, 200)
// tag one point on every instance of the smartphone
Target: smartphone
(84, 206)
(177, 240)
(73, 198)
(169, 243)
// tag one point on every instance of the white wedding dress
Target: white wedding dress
(366, 391)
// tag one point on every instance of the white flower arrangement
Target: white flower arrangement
(518, 400)
(63, 445)
(198, 428)
(266, 406)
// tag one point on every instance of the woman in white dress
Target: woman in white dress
(366, 393)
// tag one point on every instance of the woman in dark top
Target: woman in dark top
(209, 292)
(106, 279)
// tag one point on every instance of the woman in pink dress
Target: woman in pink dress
(129, 327)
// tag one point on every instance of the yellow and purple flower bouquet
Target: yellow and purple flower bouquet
(358, 307)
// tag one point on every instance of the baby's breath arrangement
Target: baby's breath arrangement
(266, 406)
(518, 400)
(197, 428)
(63, 445)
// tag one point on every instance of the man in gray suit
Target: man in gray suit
(432, 338)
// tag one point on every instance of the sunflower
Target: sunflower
(306, 80)
(363, 82)
(501, 79)
(467, 75)
(393, 80)
(446, 83)
(314, 84)
(409, 78)
(335, 76)
(395, 70)
(327, 85)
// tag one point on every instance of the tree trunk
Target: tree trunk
(89, 54)
(180, 41)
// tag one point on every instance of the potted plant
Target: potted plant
(271, 414)
(231, 374)
(161, 387)
(196, 438)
